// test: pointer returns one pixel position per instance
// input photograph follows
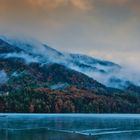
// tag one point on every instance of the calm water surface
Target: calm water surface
(69, 127)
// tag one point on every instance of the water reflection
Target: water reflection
(69, 127)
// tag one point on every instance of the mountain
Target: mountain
(34, 51)
(32, 72)
(23, 67)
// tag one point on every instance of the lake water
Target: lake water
(69, 127)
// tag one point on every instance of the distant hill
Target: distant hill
(35, 74)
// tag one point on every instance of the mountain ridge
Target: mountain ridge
(32, 51)
(49, 81)
(78, 62)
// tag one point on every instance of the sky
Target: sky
(106, 29)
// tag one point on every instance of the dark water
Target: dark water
(69, 127)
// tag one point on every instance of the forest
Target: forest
(72, 100)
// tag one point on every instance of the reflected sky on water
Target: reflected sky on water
(69, 126)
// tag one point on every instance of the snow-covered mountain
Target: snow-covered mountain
(33, 51)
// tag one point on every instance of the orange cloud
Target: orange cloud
(53, 4)
(49, 4)
(81, 4)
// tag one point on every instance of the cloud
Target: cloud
(53, 4)
(104, 27)
(26, 57)
(48, 4)
(132, 5)
(82, 4)
(45, 4)
(117, 2)
(3, 77)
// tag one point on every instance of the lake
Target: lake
(69, 127)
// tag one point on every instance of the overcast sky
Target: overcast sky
(107, 29)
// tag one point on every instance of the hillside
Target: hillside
(37, 78)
